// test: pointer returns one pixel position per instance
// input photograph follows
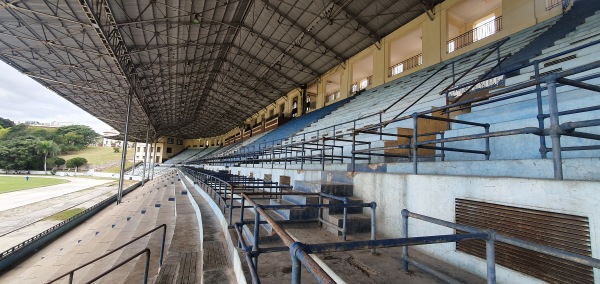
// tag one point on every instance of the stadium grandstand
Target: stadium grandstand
(325, 141)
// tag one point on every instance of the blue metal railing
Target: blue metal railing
(246, 153)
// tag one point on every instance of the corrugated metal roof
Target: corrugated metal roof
(195, 68)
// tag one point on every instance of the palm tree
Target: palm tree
(47, 148)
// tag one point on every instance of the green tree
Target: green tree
(78, 136)
(20, 154)
(47, 148)
(17, 132)
(59, 162)
(76, 163)
(3, 132)
(6, 123)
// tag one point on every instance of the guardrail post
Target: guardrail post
(256, 235)
(380, 127)
(487, 142)
(345, 220)
(322, 155)
(353, 159)
(404, 235)
(490, 257)
(302, 153)
(147, 267)
(373, 225)
(296, 265)
(540, 108)
(242, 211)
(230, 206)
(554, 128)
(321, 210)
(415, 141)
(162, 246)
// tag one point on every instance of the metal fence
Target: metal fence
(480, 32)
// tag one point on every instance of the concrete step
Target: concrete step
(301, 199)
(294, 214)
(333, 211)
(265, 234)
(356, 223)
(164, 214)
(329, 187)
(124, 235)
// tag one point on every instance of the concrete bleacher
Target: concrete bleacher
(283, 132)
(140, 211)
(509, 114)
(368, 107)
(184, 156)
(379, 98)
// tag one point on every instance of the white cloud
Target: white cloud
(22, 98)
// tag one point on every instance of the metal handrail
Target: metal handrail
(305, 259)
(162, 248)
(469, 37)
(407, 64)
(146, 266)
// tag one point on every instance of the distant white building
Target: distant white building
(53, 124)
(108, 141)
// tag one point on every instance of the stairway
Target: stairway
(333, 183)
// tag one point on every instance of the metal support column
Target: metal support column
(134, 154)
(124, 149)
(145, 156)
(152, 162)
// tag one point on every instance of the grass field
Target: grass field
(64, 215)
(117, 168)
(8, 183)
(96, 155)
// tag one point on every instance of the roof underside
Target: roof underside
(193, 68)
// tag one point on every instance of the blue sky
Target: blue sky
(22, 98)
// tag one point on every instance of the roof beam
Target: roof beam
(245, 85)
(372, 33)
(281, 50)
(100, 15)
(247, 54)
(260, 80)
(303, 30)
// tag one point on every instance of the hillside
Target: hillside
(101, 158)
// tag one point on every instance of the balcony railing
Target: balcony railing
(409, 63)
(361, 85)
(486, 29)
(551, 4)
(332, 96)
